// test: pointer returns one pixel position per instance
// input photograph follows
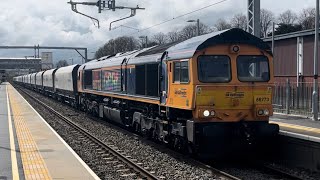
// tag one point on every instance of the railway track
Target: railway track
(282, 173)
(132, 169)
(255, 171)
(114, 151)
(123, 164)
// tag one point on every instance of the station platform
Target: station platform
(297, 126)
(30, 148)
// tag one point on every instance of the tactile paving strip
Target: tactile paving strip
(298, 127)
(34, 166)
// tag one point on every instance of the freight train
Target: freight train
(206, 94)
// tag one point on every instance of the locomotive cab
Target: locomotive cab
(233, 87)
(228, 88)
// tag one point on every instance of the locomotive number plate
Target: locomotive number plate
(262, 99)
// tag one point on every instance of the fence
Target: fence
(293, 98)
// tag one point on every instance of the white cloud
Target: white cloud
(30, 22)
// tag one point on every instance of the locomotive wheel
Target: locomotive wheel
(71, 102)
(95, 108)
(138, 127)
(179, 144)
(95, 111)
(191, 149)
(154, 135)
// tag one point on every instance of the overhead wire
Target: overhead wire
(182, 15)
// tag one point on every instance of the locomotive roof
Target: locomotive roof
(114, 60)
(158, 49)
(180, 49)
(187, 48)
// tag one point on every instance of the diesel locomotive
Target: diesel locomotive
(206, 93)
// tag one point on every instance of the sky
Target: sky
(52, 23)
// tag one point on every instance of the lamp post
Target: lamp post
(273, 26)
(146, 40)
(315, 80)
(198, 25)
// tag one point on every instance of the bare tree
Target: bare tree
(239, 21)
(120, 44)
(62, 63)
(160, 38)
(307, 18)
(266, 19)
(222, 25)
(188, 32)
(173, 36)
(107, 49)
(287, 17)
(191, 30)
(204, 29)
(152, 43)
(125, 43)
(99, 53)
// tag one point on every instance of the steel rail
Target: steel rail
(215, 171)
(222, 173)
(281, 172)
(140, 170)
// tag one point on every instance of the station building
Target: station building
(293, 56)
(10, 67)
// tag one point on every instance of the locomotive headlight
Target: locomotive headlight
(263, 112)
(212, 113)
(206, 113)
(260, 112)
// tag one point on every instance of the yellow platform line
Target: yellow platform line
(14, 162)
(297, 127)
(34, 166)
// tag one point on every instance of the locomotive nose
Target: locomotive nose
(228, 105)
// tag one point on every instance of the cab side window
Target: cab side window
(181, 72)
(176, 75)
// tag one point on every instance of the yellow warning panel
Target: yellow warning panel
(297, 127)
(34, 166)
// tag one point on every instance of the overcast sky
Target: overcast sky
(52, 23)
